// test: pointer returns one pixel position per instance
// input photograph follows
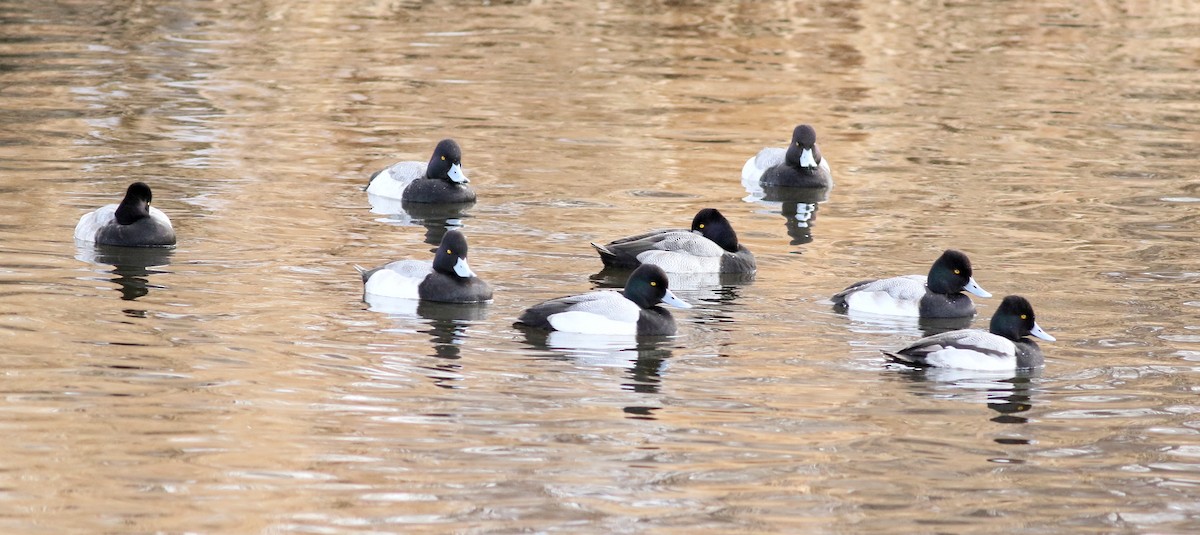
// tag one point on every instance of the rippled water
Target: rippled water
(240, 384)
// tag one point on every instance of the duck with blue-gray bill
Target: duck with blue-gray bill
(441, 181)
(448, 279)
(1004, 347)
(132, 223)
(798, 166)
(632, 311)
(936, 295)
(710, 246)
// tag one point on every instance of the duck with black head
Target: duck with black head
(798, 166)
(440, 181)
(132, 223)
(936, 295)
(633, 311)
(710, 246)
(448, 279)
(1004, 347)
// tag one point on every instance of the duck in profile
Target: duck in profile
(798, 166)
(936, 295)
(1004, 347)
(710, 246)
(448, 279)
(441, 181)
(633, 311)
(132, 223)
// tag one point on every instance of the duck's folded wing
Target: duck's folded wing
(599, 306)
(624, 252)
(905, 287)
(765, 159)
(92, 222)
(391, 181)
(401, 278)
(940, 349)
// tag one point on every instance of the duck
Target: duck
(936, 295)
(1003, 347)
(798, 166)
(448, 279)
(710, 246)
(132, 223)
(441, 181)
(632, 311)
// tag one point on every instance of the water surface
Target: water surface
(240, 384)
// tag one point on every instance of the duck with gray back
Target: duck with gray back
(132, 223)
(798, 166)
(1004, 347)
(448, 279)
(710, 246)
(633, 311)
(441, 181)
(936, 295)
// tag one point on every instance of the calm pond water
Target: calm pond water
(240, 384)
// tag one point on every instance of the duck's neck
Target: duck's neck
(129, 213)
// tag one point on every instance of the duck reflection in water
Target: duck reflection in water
(797, 205)
(644, 357)
(1008, 393)
(447, 329)
(132, 266)
(867, 323)
(714, 288)
(436, 218)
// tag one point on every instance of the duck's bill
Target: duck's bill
(807, 159)
(456, 174)
(976, 289)
(462, 269)
(676, 302)
(1038, 332)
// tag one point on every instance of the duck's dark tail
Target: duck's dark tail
(615, 259)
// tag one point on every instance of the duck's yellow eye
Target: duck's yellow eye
(956, 272)
(701, 225)
(652, 283)
(448, 251)
(443, 158)
(1023, 316)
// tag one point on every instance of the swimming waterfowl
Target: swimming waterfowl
(936, 295)
(1002, 348)
(447, 279)
(132, 223)
(633, 311)
(710, 246)
(798, 166)
(440, 181)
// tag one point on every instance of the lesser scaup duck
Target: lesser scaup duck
(1003, 348)
(133, 223)
(711, 246)
(632, 311)
(798, 166)
(440, 181)
(448, 279)
(937, 295)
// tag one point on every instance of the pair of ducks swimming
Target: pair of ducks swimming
(709, 246)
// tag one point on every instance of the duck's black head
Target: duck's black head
(710, 223)
(451, 256)
(1014, 320)
(136, 204)
(802, 152)
(951, 273)
(647, 287)
(446, 163)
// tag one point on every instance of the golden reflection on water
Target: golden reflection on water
(240, 383)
